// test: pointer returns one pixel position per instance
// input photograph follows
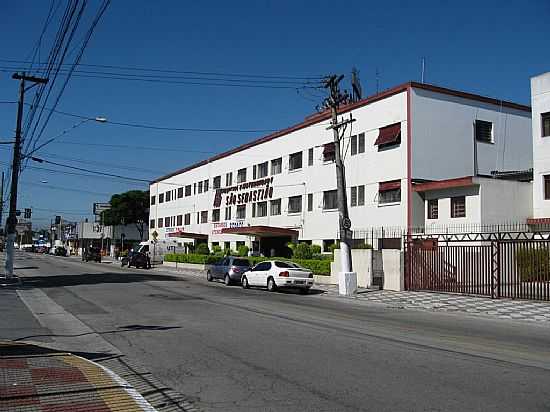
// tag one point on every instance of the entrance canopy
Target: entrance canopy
(188, 235)
(261, 231)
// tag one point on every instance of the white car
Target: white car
(275, 274)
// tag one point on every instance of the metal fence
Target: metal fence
(500, 265)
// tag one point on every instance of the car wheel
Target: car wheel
(304, 291)
(244, 283)
(209, 276)
(227, 280)
(271, 286)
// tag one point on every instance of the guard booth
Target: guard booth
(266, 240)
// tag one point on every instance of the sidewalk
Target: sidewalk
(34, 378)
(509, 309)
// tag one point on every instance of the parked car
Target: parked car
(60, 251)
(275, 274)
(230, 269)
(92, 253)
(136, 259)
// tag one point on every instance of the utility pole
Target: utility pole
(2, 200)
(16, 165)
(347, 279)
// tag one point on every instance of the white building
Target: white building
(540, 101)
(283, 185)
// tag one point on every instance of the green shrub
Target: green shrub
(302, 251)
(202, 249)
(243, 250)
(315, 249)
(292, 247)
(217, 250)
(533, 264)
(334, 246)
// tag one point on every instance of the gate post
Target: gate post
(495, 269)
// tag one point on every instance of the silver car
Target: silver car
(230, 269)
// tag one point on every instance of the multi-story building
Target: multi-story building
(540, 102)
(283, 185)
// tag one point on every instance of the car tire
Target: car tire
(209, 277)
(244, 283)
(227, 280)
(271, 285)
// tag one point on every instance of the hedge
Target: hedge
(318, 267)
(533, 264)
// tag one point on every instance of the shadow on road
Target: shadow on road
(92, 279)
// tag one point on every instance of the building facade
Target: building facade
(283, 186)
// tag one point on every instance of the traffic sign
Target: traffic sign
(99, 208)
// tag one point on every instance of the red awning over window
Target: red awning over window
(392, 185)
(329, 148)
(389, 134)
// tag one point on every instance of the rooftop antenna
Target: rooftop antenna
(377, 81)
(357, 92)
(423, 69)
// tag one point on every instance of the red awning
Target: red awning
(261, 231)
(392, 185)
(188, 235)
(389, 134)
(329, 148)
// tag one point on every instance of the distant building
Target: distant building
(282, 186)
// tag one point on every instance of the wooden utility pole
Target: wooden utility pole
(16, 166)
(333, 101)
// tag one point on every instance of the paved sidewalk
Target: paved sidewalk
(521, 310)
(33, 378)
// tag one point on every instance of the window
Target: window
(241, 212)
(330, 199)
(241, 175)
(198, 217)
(187, 219)
(546, 187)
(205, 185)
(310, 202)
(200, 187)
(388, 137)
(358, 195)
(458, 206)
(227, 246)
(310, 157)
(228, 213)
(159, 222)
(188, 190)
(276, 166)
(228, 179)
(261, 209)
(217, 182)
(194, 188)
(180, 192)
(389, 192)
(153, 200)
(295, 204)
(152, 224)
(295, 161)
(484, 131)
(204, 216)
(167, 221)
(433, 208)
(216, 215)
(179, 221)
(263, 266)
(161, 198)
(361, 138)
(168, 196)
(329, 152)
(275, 207)
(262, 170)
(545, 124)
(358, 144)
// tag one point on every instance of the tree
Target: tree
(131, 207)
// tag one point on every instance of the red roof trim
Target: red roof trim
(316, 118)
(444, 184)
(259, 230)
(538, 221)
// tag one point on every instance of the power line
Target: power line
(46, 186)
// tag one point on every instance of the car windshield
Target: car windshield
(241, 262)
(287, 265)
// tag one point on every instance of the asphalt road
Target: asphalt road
(231, 349)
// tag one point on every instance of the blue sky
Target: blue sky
(485, 47)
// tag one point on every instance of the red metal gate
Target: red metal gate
(511, 265)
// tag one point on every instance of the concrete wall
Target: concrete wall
(394, 270)
(540, 102)
(505, 201)
(444, 220)
(362, 265)
(443, 137)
